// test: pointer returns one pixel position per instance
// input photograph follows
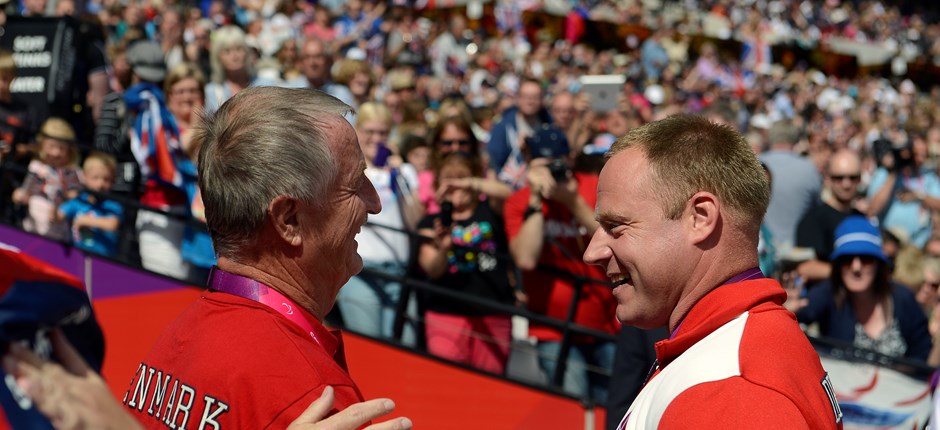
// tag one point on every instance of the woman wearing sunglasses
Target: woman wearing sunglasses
(453, 134)
(859, 304)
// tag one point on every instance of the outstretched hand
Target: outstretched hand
(350, 418)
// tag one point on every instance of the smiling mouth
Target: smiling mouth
(617, 280)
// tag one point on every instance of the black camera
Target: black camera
(447, 214)
(903, 157)
(559, 169)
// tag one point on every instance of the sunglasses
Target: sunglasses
(840, 178)
(865, 259)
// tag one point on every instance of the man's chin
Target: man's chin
(632, 319)
(356, 264)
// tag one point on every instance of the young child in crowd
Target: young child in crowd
(468, 238)
(95, 221)
(52, 179)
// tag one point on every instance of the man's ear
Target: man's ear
(704, 216)
(283, 213)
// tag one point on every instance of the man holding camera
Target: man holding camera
(902, 195)
(548, 224)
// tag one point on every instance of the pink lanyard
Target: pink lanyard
(220, 280)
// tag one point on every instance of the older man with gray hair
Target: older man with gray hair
(282, 179)
(285, 192)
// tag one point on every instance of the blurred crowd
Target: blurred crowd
(483, 141)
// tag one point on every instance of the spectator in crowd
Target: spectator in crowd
(369, 301)
(171, 36)
(570, 113)
(184, 86)
(453, 134)
(817, 229)
(466, 253)
(52, 178)
(321, 26)
(17, 127)
(94, 219)
(406, 42)
(860, 304)
(356, 76)
(653, 55)
(315, 64)
(796, 186)
(232, 67)
(548, 224)
(288, 56)
(166, 170)
(199, 49)
(667, 194)
(927, 293)
(448, 52)
(902, 195)
(416, 151)
(507, 139)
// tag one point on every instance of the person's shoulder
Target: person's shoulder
(903, 297)
(237, 327)
(753, 405)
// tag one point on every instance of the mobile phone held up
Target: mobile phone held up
(447, 214)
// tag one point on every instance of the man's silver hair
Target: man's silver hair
(263, 143)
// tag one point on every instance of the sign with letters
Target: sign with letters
(44, 50)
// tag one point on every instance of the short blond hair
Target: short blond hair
(373, 111)
(103, 158)
(346, 69)
(688, 154)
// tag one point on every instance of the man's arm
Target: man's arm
(526, 246)
(89, 220)
(879, 200)
(432, 256)
(709, 406)
(567, 194)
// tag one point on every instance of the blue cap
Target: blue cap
(856, 235)
(547, 141)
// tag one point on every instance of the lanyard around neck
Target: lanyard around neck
(222, 281)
